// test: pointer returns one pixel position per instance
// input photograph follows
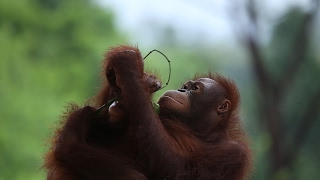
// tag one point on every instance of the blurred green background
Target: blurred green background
(50, 54)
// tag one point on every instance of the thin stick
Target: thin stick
(168, 62)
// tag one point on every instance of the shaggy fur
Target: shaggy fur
(133, 142)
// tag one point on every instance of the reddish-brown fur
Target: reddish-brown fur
(138, 143)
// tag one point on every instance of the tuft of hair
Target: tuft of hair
(113, 50)
(50, 163)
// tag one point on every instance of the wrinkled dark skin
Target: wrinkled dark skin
(197, 134)
(202, 97)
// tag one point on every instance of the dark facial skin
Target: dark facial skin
(200, 99)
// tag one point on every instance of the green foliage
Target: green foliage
(286, 35)
(50, 53)
(293, 67)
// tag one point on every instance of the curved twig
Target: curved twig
(168, 63)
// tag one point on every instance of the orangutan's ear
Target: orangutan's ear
(224, 107)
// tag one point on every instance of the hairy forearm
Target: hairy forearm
(148, 133)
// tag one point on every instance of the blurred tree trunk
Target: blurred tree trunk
(276, 83)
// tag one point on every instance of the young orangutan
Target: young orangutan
(196, 135)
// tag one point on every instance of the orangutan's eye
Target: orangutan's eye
(196, 87)
(184, 87)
